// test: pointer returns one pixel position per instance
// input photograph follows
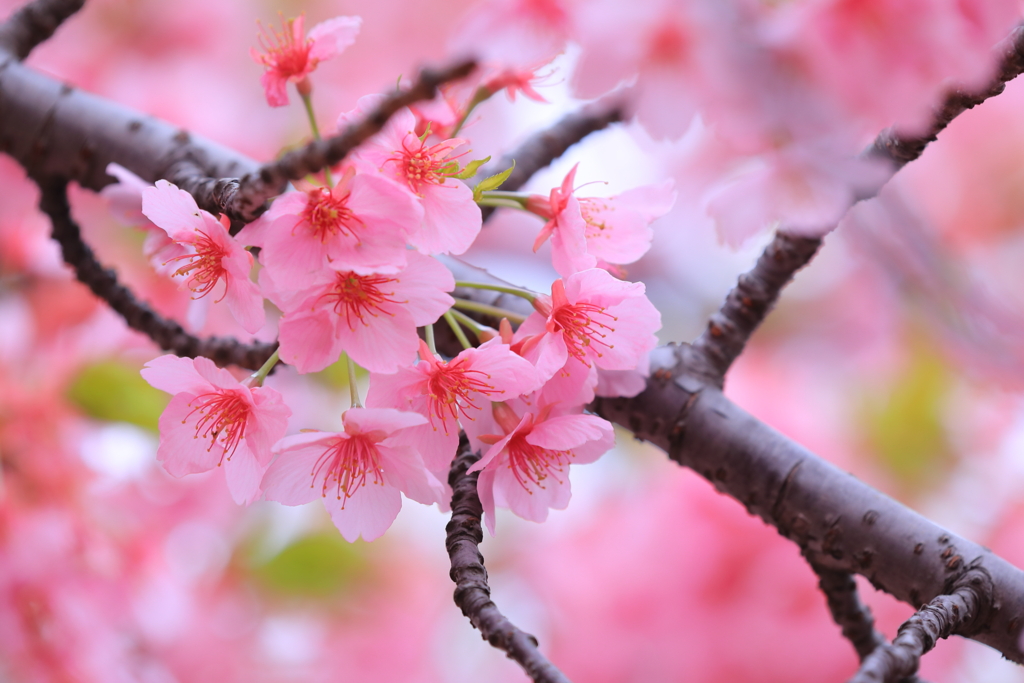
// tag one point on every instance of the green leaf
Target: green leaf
(471, 168)
(493, 182)
(112, 390)
(315, 566)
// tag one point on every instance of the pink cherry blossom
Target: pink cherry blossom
(206, 254)
(360, 473)
(290, 56)
(526, 470)
(125, 201)
(446, 392)
(514, 32)
(451, 218)
(592, 317)
(372, 317)
(514, 81)
(215, 420)
(615, 230)
(361, 225)
(565, 226)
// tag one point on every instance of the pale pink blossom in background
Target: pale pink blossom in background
(289, 56)
(360, 473)
(214, 421)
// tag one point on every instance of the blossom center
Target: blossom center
(205, 267)
(532, 465)
(582, 329)
(588, 207)
(347, 464)
(328, 215)
(354, 297)
(286, 52)
(419, 165)
(222, 419)
(449, 389)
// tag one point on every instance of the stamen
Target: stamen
(224, 416)
(356, 296)
(532, 465)
(581, 329)
(349, 464)
(328, 215)
(449, 389)
(204, 266)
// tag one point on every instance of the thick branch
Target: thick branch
(840, 523)
(33, 24)
(472, 594)
(944, 616)
(168, 334)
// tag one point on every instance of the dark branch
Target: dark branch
(246, 201)
(849, 613)
(944, 616)
(103, 282)
(839, 523)
(33, 24)
(750, 301)
(472, 594)
(901, 150)
(546, 146)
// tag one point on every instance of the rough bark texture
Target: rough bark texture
(849, 613)
(959, 612)
(472, 594)
(33, 24)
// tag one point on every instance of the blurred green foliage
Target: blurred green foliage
(110, 390)
(906, 431)
(315, 566)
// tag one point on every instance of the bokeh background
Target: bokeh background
(896, 355)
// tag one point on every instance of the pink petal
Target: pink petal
(331, 37)
(425, 283)
(308, 341)
(172, 209)
(246, 304)
(569, 242)
(587, 436)
(370, 511)
(404, 468)
(485, 489)
(383, 343)
(243, 474)
(275, 87)
(532, 504)
(451, 219)
(174, 375)
(289, 480)
(388, 420)
(179, 450)
(267, 423)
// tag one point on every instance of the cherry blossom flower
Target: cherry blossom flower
(373, 317)
(361, 225)
(514, 32)
(290, 56)
(584, 230)
(215, 420)
(526, 469)
(446, 392)
(592, 317)
(125, 201)
(208, 259)
(359, 473)
(451, 218)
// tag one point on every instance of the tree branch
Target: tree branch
(168, 334)
(472, 594)
(849, 613)
(33, 24)
(960, 612)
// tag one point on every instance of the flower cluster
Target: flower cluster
(351, 262)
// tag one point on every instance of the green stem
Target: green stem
(515, 291)
(459, 334)
(475, 327)
(504, 200)
(489, 310)
(428, 332)
(256, 378)
(482, 94)
(307, 100)
(353, 388)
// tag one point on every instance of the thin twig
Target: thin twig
(168, 334)
(245, 201)
(472, 594)
(849, 613)
(944, 616)
(33, 24)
